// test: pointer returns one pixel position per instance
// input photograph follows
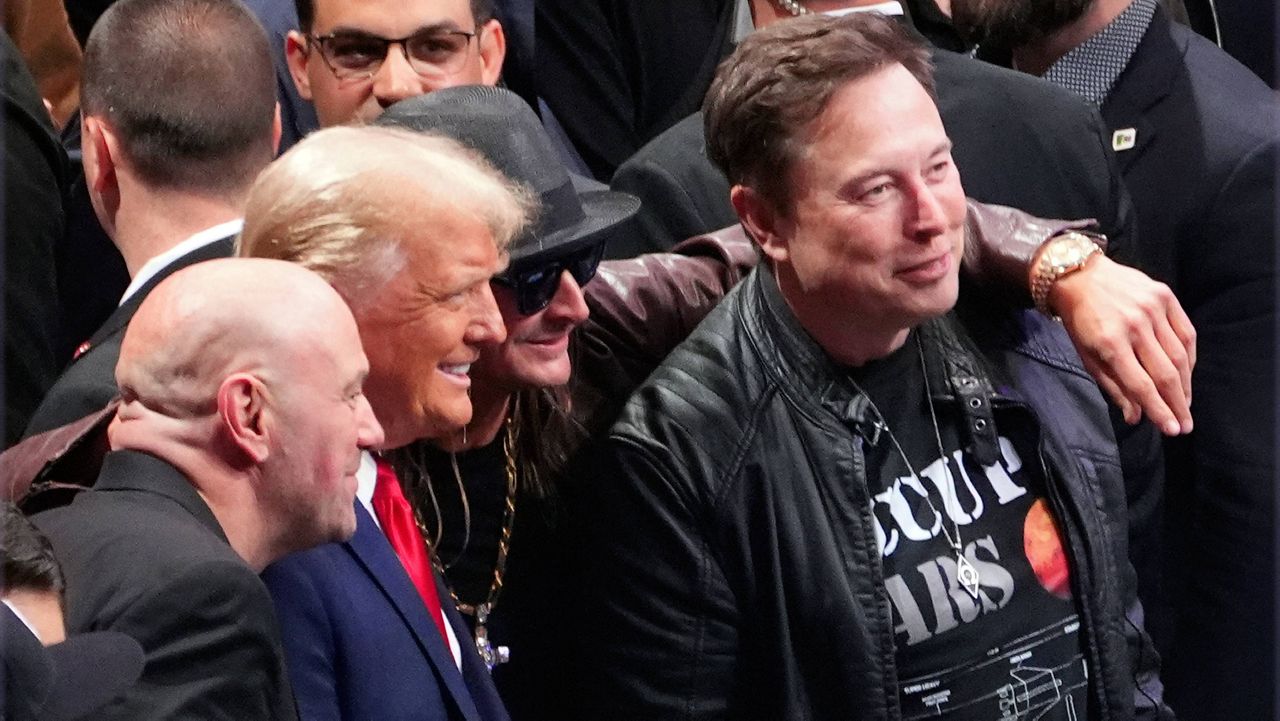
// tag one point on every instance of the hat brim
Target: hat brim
(604, 210)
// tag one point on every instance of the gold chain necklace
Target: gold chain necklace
(490, 654)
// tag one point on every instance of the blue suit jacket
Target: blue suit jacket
(360, 645)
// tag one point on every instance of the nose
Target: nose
(568, 302)
(929, 218)
(396, 79)
(486, 325)
(369, 432)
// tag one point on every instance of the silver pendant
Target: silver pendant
(490, 654)
(967, 575)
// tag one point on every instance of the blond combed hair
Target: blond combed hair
(346, 200)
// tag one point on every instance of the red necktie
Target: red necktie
(401, 530)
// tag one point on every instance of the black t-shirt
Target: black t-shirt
(468, 558)
(1015, 651)
(529, 617)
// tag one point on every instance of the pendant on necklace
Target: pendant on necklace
(967, 575)
(490, 654)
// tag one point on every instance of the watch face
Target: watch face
(1070, 251)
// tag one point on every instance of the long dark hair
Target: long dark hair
(546, 436)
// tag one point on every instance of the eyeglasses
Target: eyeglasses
(536, 285)
(360, 55)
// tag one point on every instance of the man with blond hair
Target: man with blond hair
(237, 441)
(409, 229)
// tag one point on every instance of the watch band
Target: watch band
(1062, 255)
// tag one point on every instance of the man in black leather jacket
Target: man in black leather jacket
(842, 497)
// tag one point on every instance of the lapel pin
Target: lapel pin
(1123, 139)
(81, 350)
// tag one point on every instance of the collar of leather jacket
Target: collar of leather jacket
(958, 372)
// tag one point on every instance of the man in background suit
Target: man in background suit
(167, 161)
(999, 122)
(410, 230)
(1197, 138)
(236, 442)
(342, 63)
(35, 174)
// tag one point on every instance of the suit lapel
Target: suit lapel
(1145, 82)
(372, 550)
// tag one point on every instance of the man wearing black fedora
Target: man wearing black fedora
(487, 493)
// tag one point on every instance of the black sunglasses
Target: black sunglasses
(536, 285)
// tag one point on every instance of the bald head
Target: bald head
(247, 375)
(218, 318)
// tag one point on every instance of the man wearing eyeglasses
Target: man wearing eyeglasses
(352, 60)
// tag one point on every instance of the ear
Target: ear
(277, 129)
(100, 150)
(493, 50)
(295, 53)
(763, 222)
(245, 418)
(99, 166)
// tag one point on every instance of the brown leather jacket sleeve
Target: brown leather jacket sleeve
(643, 307)
(1000, 243)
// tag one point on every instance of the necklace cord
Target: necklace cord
(954, 542)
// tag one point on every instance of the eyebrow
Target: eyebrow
(437, 27)
(944, 147)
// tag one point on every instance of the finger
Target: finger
(1130, 410)
(1176, 352)
(1136, 384)
(1185, 331)
(1163, 381)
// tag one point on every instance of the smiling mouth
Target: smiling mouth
(459, 369)
(549, 341)
(928, 271)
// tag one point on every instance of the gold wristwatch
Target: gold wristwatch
(1061, 255)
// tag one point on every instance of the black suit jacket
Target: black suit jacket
(616, 73)
(144, 555)
(1019, 141)
(1203, 178)
(35, 173)
(89, 382)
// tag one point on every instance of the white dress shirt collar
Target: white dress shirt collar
(159, 262)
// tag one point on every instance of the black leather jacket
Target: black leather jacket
(734, 568)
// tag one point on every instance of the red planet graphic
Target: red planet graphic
(1043, 545)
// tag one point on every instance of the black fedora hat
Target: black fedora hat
(65, 681)
(504, 129)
